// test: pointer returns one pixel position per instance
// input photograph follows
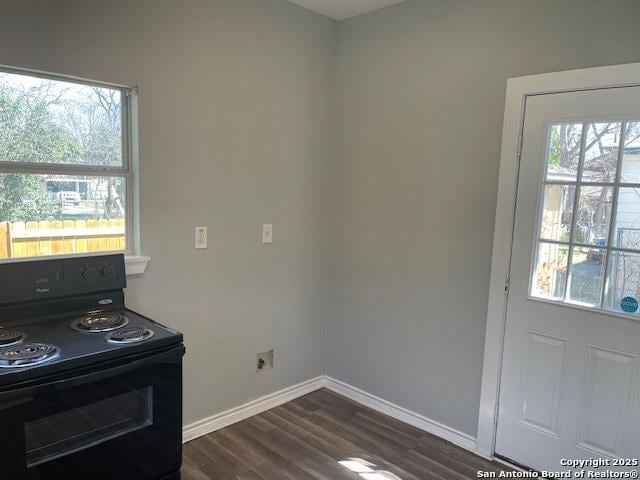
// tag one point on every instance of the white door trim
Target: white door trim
(518, 89)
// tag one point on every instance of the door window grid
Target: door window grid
(571, 182)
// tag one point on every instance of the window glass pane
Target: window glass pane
(631, 154)
(61, 214)
(601, 152)
(587, 272)
(550, 274)
(557, 211)
(594, 214)
(52, 121)
(627, 227)
(564, 151)
(623, 281)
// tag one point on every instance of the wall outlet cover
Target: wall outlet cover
(267, 233)
(201, 238)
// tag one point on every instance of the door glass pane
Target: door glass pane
(557, 211)
(58, 122)
(576, 215)
(564, 151)
(550, 271)
(601, 152)
(631, 154)
(83, 427)
(627, 227)
(43, 215)
(587, 272)
(623, 282)
(594, 214)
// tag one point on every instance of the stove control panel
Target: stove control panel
(36, 279)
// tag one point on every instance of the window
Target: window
(588, 236)
(66, 183)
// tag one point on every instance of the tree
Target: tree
(565, 146)
(95, 122)
(51, 122)
(29, 133)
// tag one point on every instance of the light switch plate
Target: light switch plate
(267, 233)
(201, 238)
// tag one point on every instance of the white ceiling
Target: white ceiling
(343, 9)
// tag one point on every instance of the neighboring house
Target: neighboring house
(78, 197)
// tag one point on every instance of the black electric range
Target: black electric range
(88, 388)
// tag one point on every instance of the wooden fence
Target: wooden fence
(32, 239)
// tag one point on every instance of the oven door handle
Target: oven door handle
(82, 379)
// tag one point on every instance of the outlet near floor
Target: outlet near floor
(264, 361)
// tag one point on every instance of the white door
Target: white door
(570, 384)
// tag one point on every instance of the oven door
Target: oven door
(121, 421)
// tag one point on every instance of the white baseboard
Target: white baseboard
(400, 413)
(262, 404)
(254, 407)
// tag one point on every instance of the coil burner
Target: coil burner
(100, 322)
(8, 338)
(27, 355)
(130, 335)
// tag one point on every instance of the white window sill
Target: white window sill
(136, 264)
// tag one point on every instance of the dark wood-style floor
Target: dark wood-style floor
(306, 438)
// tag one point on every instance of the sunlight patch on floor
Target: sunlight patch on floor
(367, 470)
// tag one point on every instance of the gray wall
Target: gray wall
(420, 103)
(236, 112)
(240, 109)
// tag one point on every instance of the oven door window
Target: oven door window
(82, 427)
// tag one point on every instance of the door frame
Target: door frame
(518, 90)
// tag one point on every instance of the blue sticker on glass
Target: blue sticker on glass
(629, 304)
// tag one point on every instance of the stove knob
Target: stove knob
(89, 274)
(108, 271)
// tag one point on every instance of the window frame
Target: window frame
(128, 170)
(571, 244)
